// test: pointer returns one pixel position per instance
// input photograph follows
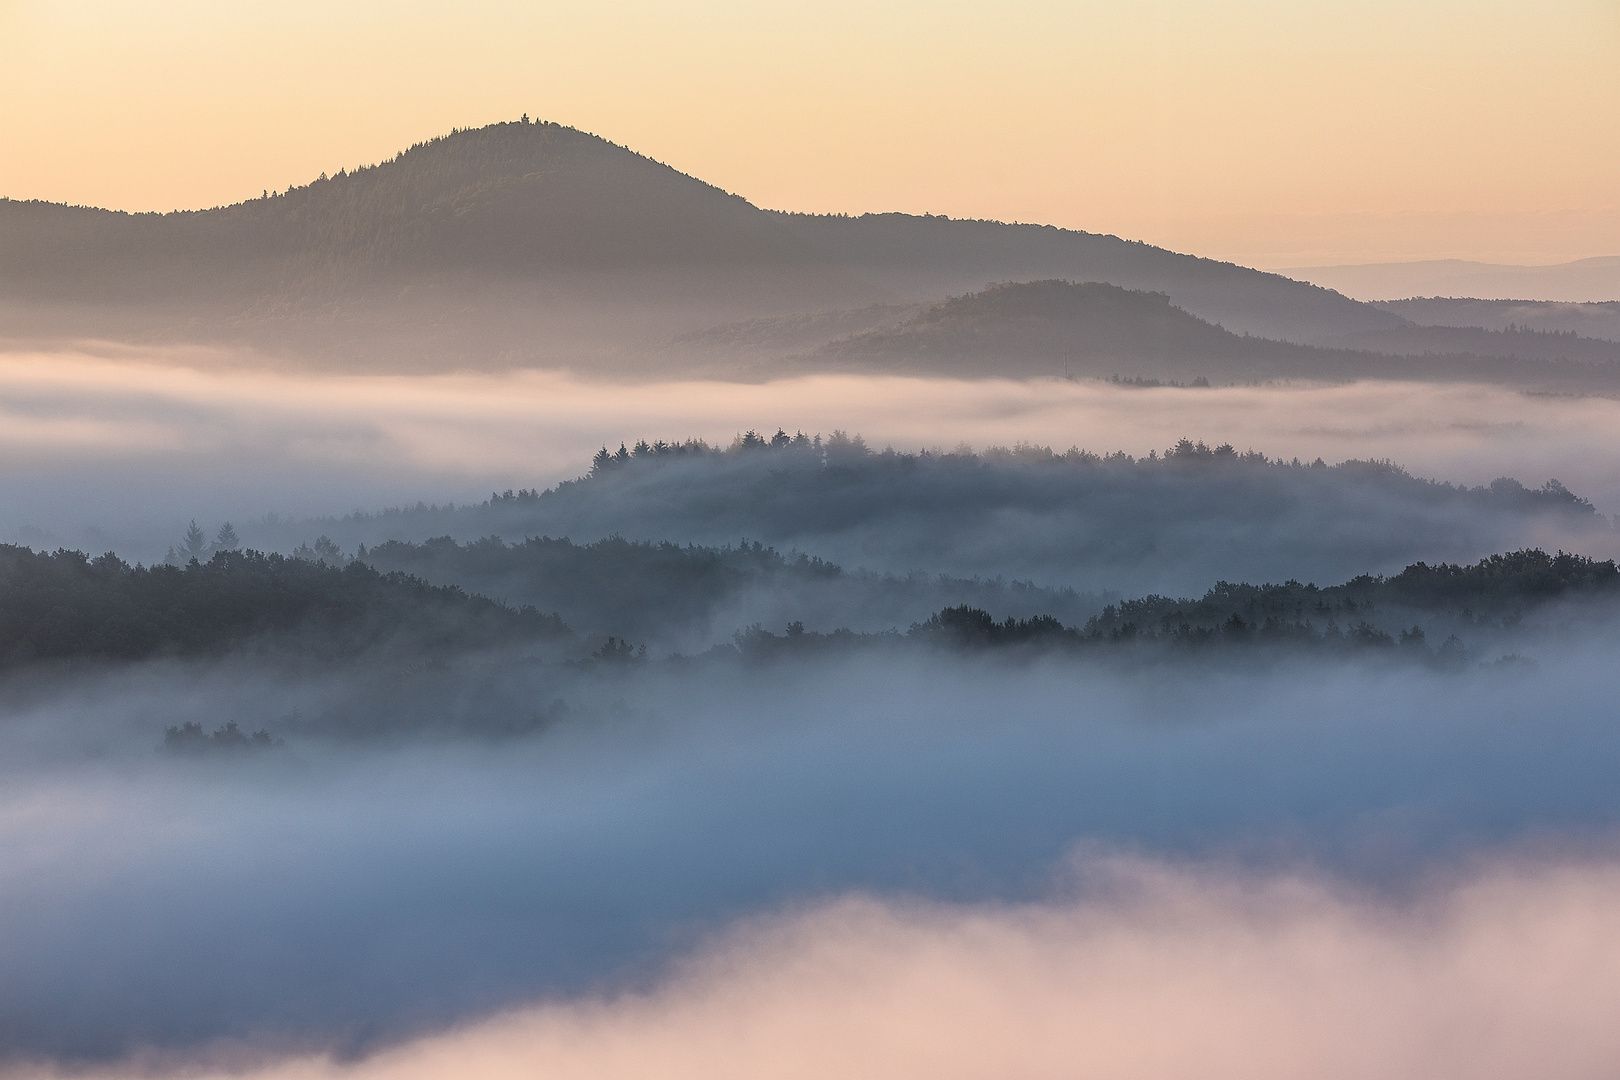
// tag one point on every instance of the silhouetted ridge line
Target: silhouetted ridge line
(529, 220)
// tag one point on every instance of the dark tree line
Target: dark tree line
(1500, 586)
(66, 605)
(1366, 613)
(842, 450)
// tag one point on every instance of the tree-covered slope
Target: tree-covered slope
(924, 256)
(518, 200)
(685, 595)
(66, 606)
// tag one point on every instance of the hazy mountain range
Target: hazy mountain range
(527, 244)
(1582, 281)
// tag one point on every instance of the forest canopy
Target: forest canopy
(65, 605)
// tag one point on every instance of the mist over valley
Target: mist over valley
(520, 609)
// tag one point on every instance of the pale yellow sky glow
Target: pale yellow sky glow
(1277, 133)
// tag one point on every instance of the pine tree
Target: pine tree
(195, 544)
(227, 539)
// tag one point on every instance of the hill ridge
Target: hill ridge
(532, 242)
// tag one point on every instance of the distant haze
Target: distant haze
(1583, 281)
(120, 452)
(800, 541)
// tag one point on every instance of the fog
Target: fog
(1140, 526)
(334, 895)
(1183, 972)
(808, 854)
(120, 449)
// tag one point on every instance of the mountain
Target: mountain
(509, 201)
(926, 257)
(1594, 320)
(1518, 342)
(1051, 328)
(523, 243)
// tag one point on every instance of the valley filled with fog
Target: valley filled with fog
(119, 450)
(854, 704)
(517, 609)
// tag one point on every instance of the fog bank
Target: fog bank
(120, 448)
(1174, 971)
(343, 896)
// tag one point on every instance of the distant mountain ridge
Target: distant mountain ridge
(1046, 327)
(1594, 280)
(927, 257)
(1094, 329)
(1591, 320)
(561, 240)
(534, 244)
(510, 200)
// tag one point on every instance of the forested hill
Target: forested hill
(67, 606)
(513, 201)
(1440, 615)
(1023, 329)
(534, 208)
(64, 606)
(1050, 323)
(1167, 522)
(925, 257)
(1500, 587)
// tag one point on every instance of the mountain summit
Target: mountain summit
(514, 200)
(530, 242)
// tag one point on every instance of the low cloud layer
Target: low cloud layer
(347, 897)
(1172, 971)
(873, 863)
(120, 450)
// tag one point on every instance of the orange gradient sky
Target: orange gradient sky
(1276, 132)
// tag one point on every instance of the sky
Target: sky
(1273, 132)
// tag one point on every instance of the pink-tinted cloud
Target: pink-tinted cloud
(1172, 973)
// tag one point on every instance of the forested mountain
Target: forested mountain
(506, 202)
(1055, 328)
(927, 257)
(523, 244)
(1051, 328)
(483, 239)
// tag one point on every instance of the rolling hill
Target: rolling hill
(532, 242)
(1054, 328)
(510, 201)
